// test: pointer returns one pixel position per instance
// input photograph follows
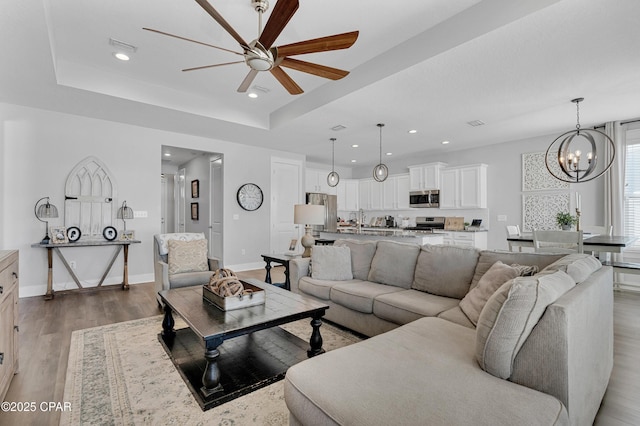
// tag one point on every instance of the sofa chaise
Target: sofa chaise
(459, 336)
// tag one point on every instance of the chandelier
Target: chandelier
(576, 154)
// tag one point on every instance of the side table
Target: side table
(282, 259)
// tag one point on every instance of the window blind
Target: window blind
(632, 186)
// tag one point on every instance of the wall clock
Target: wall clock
(250, 196)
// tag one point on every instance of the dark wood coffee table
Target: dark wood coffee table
(258, 354)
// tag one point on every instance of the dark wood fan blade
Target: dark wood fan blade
(247, 81)
(322, 44)
(192, 41)
(212, 66)
(224, 24)
(286, 81)
(280, 16)
(315, 69)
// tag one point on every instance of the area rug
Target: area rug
(119, 374)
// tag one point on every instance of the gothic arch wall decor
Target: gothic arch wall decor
(90, 198)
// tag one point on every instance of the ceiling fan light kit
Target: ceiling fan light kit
(381, 171)
(570, 165)
(260, 55)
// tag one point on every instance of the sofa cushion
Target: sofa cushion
(361, 256)
(319, 288)
(489, 257)
(421, 373)
(509, 316)
(578, 265)
(474, 301)
(187, 279)
(394, 263)
(187, 256)
(409, 305)
(456, 316)
(331, 263)
(359, 295)
(445, 270)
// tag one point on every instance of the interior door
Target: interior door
(216, 208)
(286, 191)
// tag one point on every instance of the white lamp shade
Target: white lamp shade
(308, 214)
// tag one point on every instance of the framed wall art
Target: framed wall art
(195, 188)
(195, 211)
(539, 210)
(536, 177)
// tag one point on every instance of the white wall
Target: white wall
(39, 148)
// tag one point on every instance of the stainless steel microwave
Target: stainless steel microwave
(429, 198)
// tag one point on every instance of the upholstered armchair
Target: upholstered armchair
(181, 260)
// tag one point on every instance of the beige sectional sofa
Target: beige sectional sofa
(452, 342)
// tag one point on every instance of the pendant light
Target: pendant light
(570, 164)
(333, 178)
(380, 172)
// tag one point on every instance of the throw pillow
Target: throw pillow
(492, 280)
(445, 270)
(509, 316)
(361, 256)
(187, 256)
(332, 263)
(578, 265)
(394, 263)
(526, 270)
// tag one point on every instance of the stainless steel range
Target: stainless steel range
(428, 224)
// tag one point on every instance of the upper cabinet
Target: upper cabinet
(425, 176)
(395, 193)
(348, 190)
(316, 181)
(464, 187)
(370, 194)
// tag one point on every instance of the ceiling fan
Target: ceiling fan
(259, 54)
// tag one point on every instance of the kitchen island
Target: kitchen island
(388, 234)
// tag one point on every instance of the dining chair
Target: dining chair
(557, 241)
(594, 230)
(513, 231)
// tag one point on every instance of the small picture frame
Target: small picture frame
(195, 211)
(292, 244)
(74, 234)
(195, 188)
(58, 235)
(128, 235)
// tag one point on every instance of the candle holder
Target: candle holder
(577, 219)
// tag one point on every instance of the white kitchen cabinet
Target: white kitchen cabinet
(348, 190)
(370, 194)
(425, 176)
(395, 193)
(464, 187)
(470, 239)
(316, 181)
(8, 318)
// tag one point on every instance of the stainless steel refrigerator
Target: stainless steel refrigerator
(330, 212)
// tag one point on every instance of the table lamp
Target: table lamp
(125, 212)
(308, 215)
(45, 211)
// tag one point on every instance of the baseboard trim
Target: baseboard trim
(40, 290)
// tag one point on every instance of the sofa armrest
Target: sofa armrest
(214, 264)
(162, 275)
(298, 268)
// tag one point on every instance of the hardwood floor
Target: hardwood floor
(46, 327)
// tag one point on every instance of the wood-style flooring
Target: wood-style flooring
(46, 327)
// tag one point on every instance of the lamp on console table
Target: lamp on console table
(45, 211)
(308, 215)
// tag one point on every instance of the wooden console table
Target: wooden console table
(88, 243)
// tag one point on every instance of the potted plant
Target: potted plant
(565, 220)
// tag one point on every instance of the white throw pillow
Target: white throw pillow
(332, 263)
(187, 256)
(509, 316)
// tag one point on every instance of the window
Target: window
(632, 186)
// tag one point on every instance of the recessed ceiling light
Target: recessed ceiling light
(389, 153)
(412, 131)
(252, 95)
(355, 145)
(167, 154)
(121, 56)
(353, 161)
(445, 142)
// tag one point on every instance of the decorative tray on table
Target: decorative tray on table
(250, 295)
